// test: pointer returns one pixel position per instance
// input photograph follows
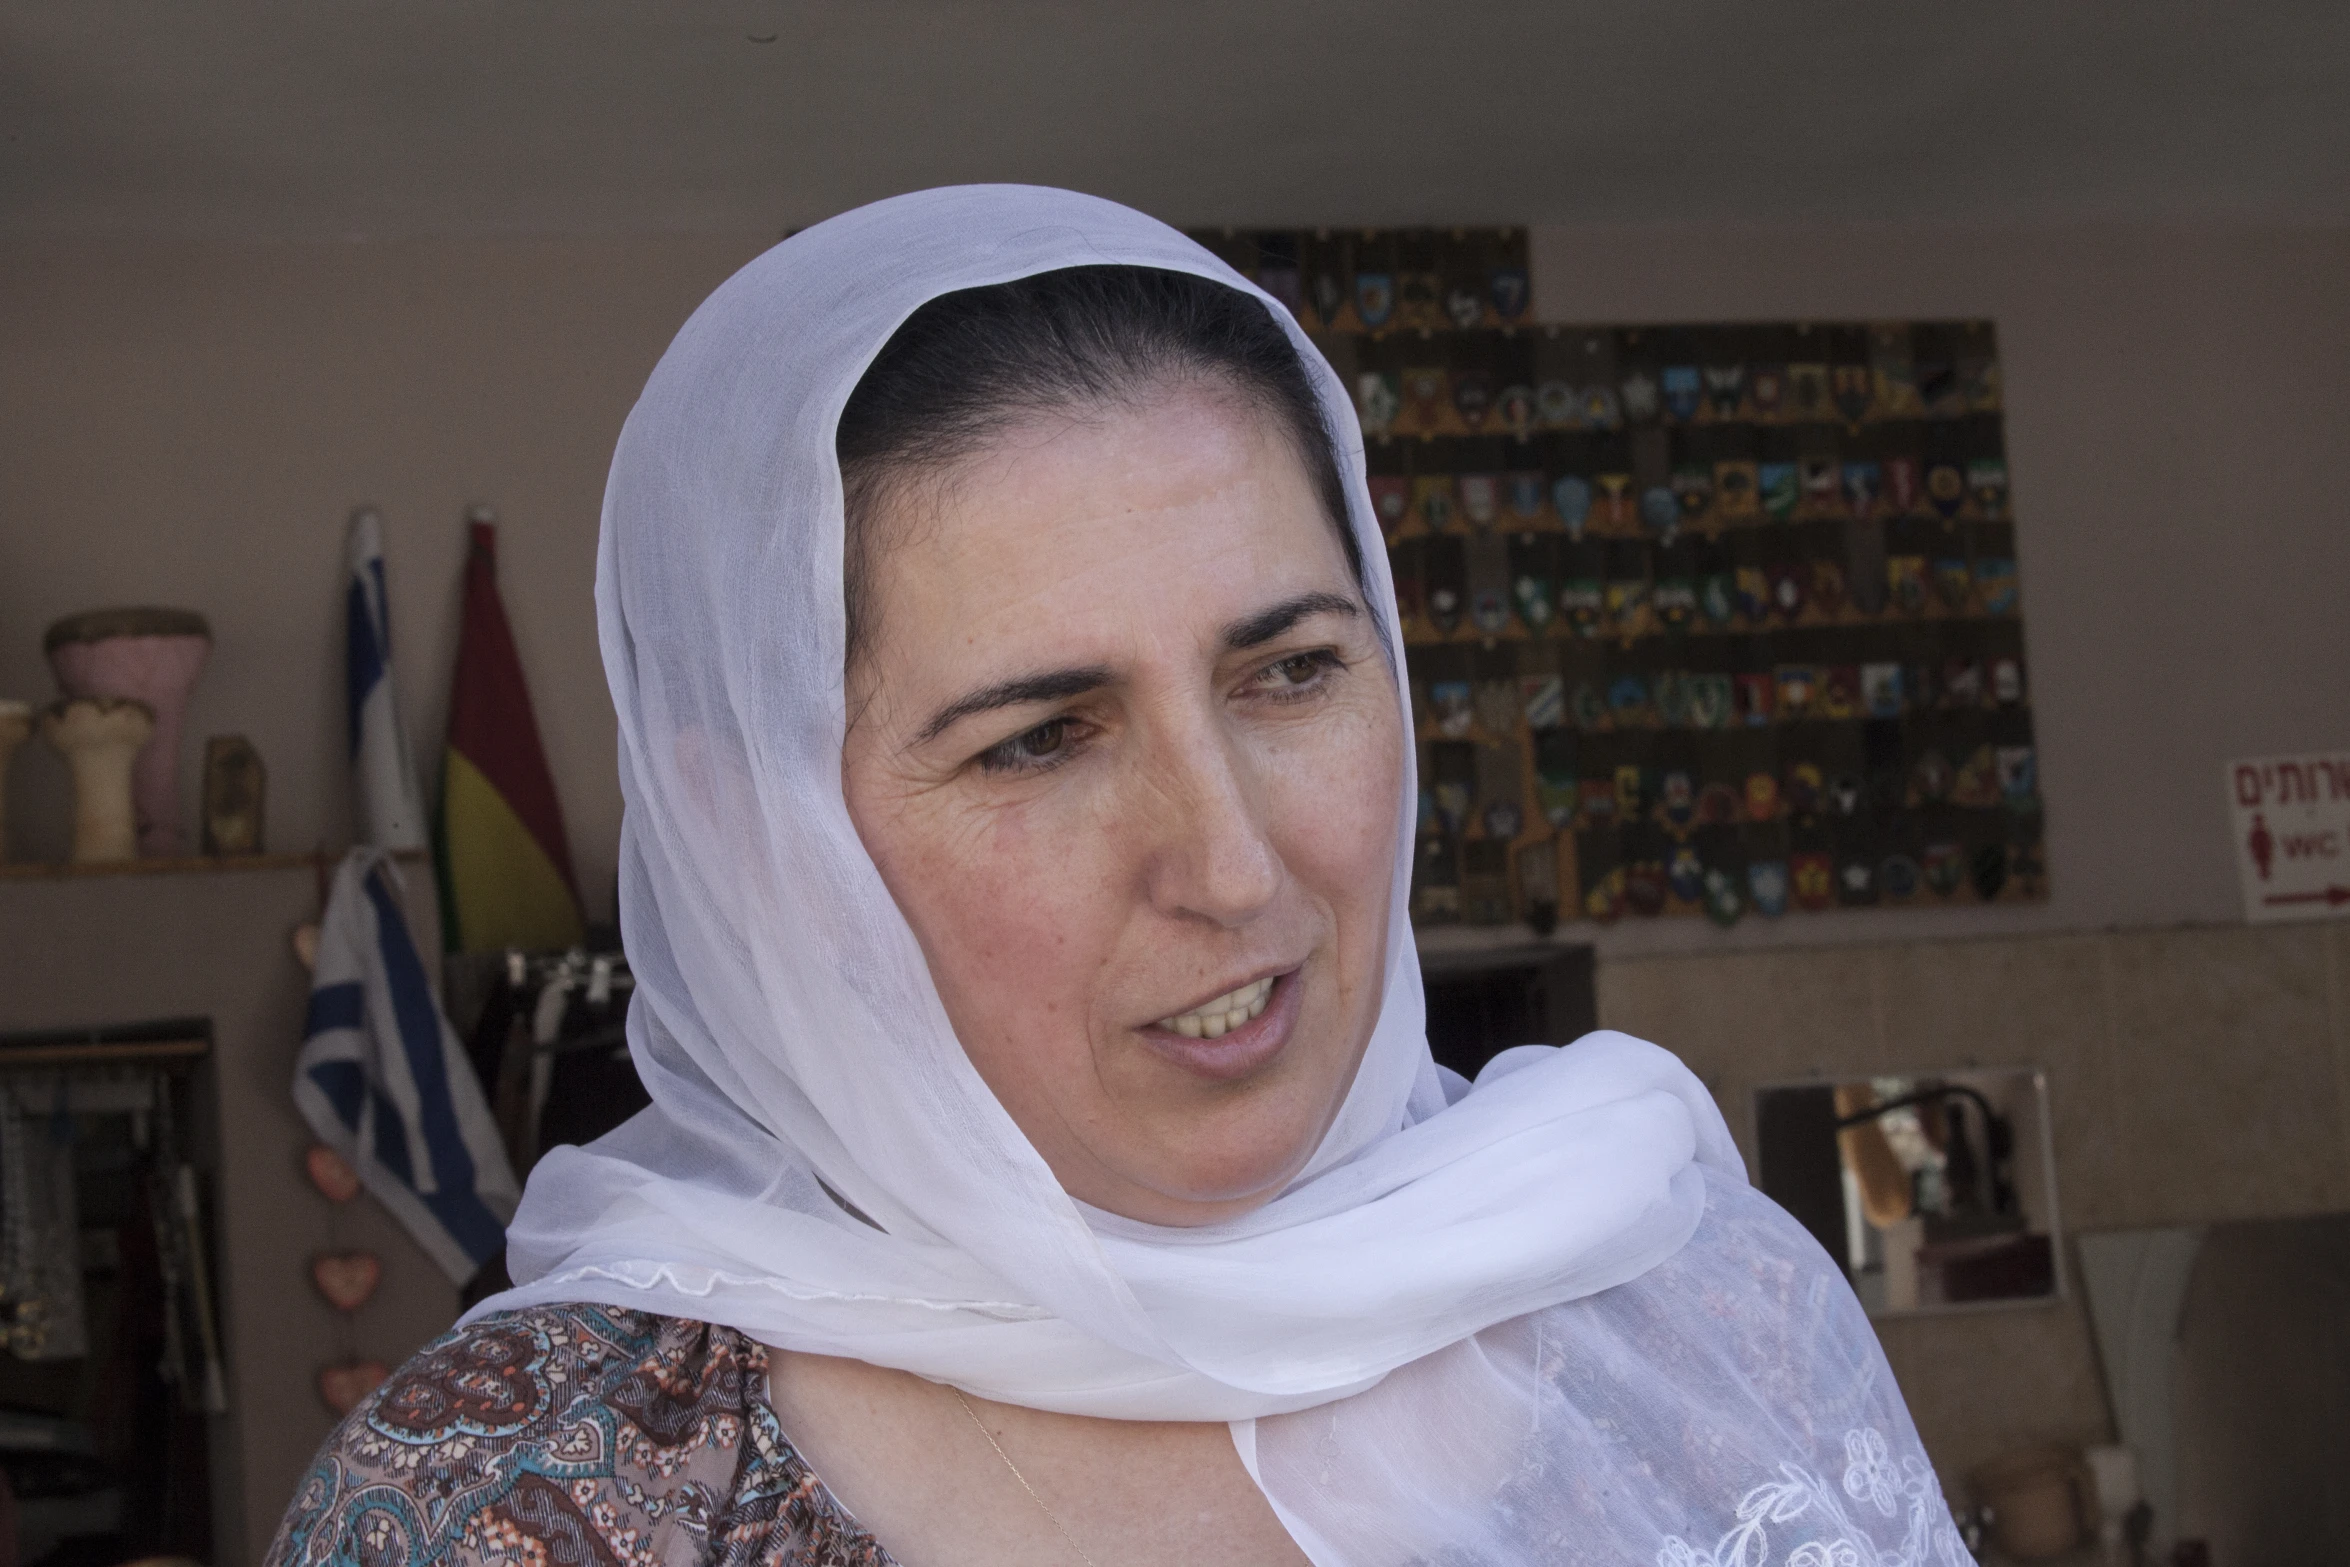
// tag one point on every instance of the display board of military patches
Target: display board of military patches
(1716, 620)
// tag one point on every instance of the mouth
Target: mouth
(1231, 1035)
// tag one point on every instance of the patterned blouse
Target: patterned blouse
(570, 1436)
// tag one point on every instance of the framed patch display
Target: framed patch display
(1716, 621)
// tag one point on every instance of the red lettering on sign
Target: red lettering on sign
(2312, 846)
(2248, 790)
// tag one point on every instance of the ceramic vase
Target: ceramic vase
(101, 739)
(151, 656)
(16, 721)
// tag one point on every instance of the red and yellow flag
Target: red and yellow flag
(504, 862)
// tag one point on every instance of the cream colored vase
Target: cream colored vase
(16, 721)
(100, 738)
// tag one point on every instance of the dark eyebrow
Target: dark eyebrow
(1266, 624)
(1051, 687)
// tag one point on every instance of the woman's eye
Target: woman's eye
(1301, 669)
(1030, 748)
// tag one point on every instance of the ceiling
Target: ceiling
(358, 117)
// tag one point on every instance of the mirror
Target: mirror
(1935, 1190)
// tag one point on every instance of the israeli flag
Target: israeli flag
(383, 1081)
(390, 810)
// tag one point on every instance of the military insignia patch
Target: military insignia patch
(1954, 583)
(1725, 389)
(1757, 698)
(1504, 820)
(1554, 775)
(1880, 690)
(1433, 496)
(2007, 681)
(1945, 868)
(1962, 683)
(1525, 492)
(1672, 698)
(1823, 486)
(1717, 595)
(1766, 390)
(1845, 795)
(1790, 587)
(1627, 604)
(1587, 705)
(1902, 492)
(1899, 877)
(1814, 876)
(1710, 701)
(1719, 805)
(1427, 390)
(1995, 580)
(1685, 873)
(1631, 795)
(1513, 407)
(1638, 395)
(1598, 800)
(1719, 892)
(1863, 482)
(1645, 888)
(1799, 688)
(1378, 399)
(1530, 580)
(1693, 489)
(1945, 489)
(1464, 307)
(1675, 598)
(1676, 800)
(1682, 390)
(1896, 372)
(1986, 481)
(1570, 497)
(1489, 609)
(1840, 692)
(1583, 603)
(1660, 512)
(1766, 883)
(1391, 498)
(1558, 405)
(1472, 397)
(1930, 779)
(2019, 777)
(1510, 292)
(1804, 788)
(1436, 880)
(1628, 703)
(1780, 486)
(1976, 788)
(1762, 797)
(1447, 570)
(1855, 392)
(1905, 582)
(1753, 587)
(1543, 699)
(1856, 881)
(1807, 391)
(1453, 704)
(1615, 498)
(1735, 496)
(1601, 410)
(1329, 293)
(1827, 586)
(1480, 498)
(1604, 900)
(1374, 299)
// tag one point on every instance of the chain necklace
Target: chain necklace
(1050, 1516)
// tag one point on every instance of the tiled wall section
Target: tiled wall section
(2194, 1075)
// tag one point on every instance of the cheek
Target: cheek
(1335, 798)
(1003, 904)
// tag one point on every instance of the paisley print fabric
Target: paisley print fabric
(570, 1436)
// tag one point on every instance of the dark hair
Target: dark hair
(969, 363)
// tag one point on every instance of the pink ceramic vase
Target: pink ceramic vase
(151, 656)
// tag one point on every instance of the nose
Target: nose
(1209, 853)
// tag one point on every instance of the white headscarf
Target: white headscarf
(823, 1168)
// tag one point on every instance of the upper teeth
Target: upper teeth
(1214, 1019)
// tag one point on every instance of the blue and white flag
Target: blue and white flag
(390, 811)
(383, 1081)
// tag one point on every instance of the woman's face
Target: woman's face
(1127, 753)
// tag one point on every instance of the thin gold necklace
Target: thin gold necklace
(1050, 1516)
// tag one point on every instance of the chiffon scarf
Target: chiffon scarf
(1540, 1319)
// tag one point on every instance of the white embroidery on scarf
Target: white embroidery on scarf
(1829, 1534)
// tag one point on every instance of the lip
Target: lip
(1242, 1050)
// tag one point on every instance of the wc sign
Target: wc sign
(2292, 826)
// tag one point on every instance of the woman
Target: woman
(1046, 1161)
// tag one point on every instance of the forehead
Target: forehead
(1192, 504)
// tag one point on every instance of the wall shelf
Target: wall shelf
(194, 865)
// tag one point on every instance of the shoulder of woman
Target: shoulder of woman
(570, 1433)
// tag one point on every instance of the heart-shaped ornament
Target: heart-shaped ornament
(344, 1386)
(348, 1278)
(331, 1173)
